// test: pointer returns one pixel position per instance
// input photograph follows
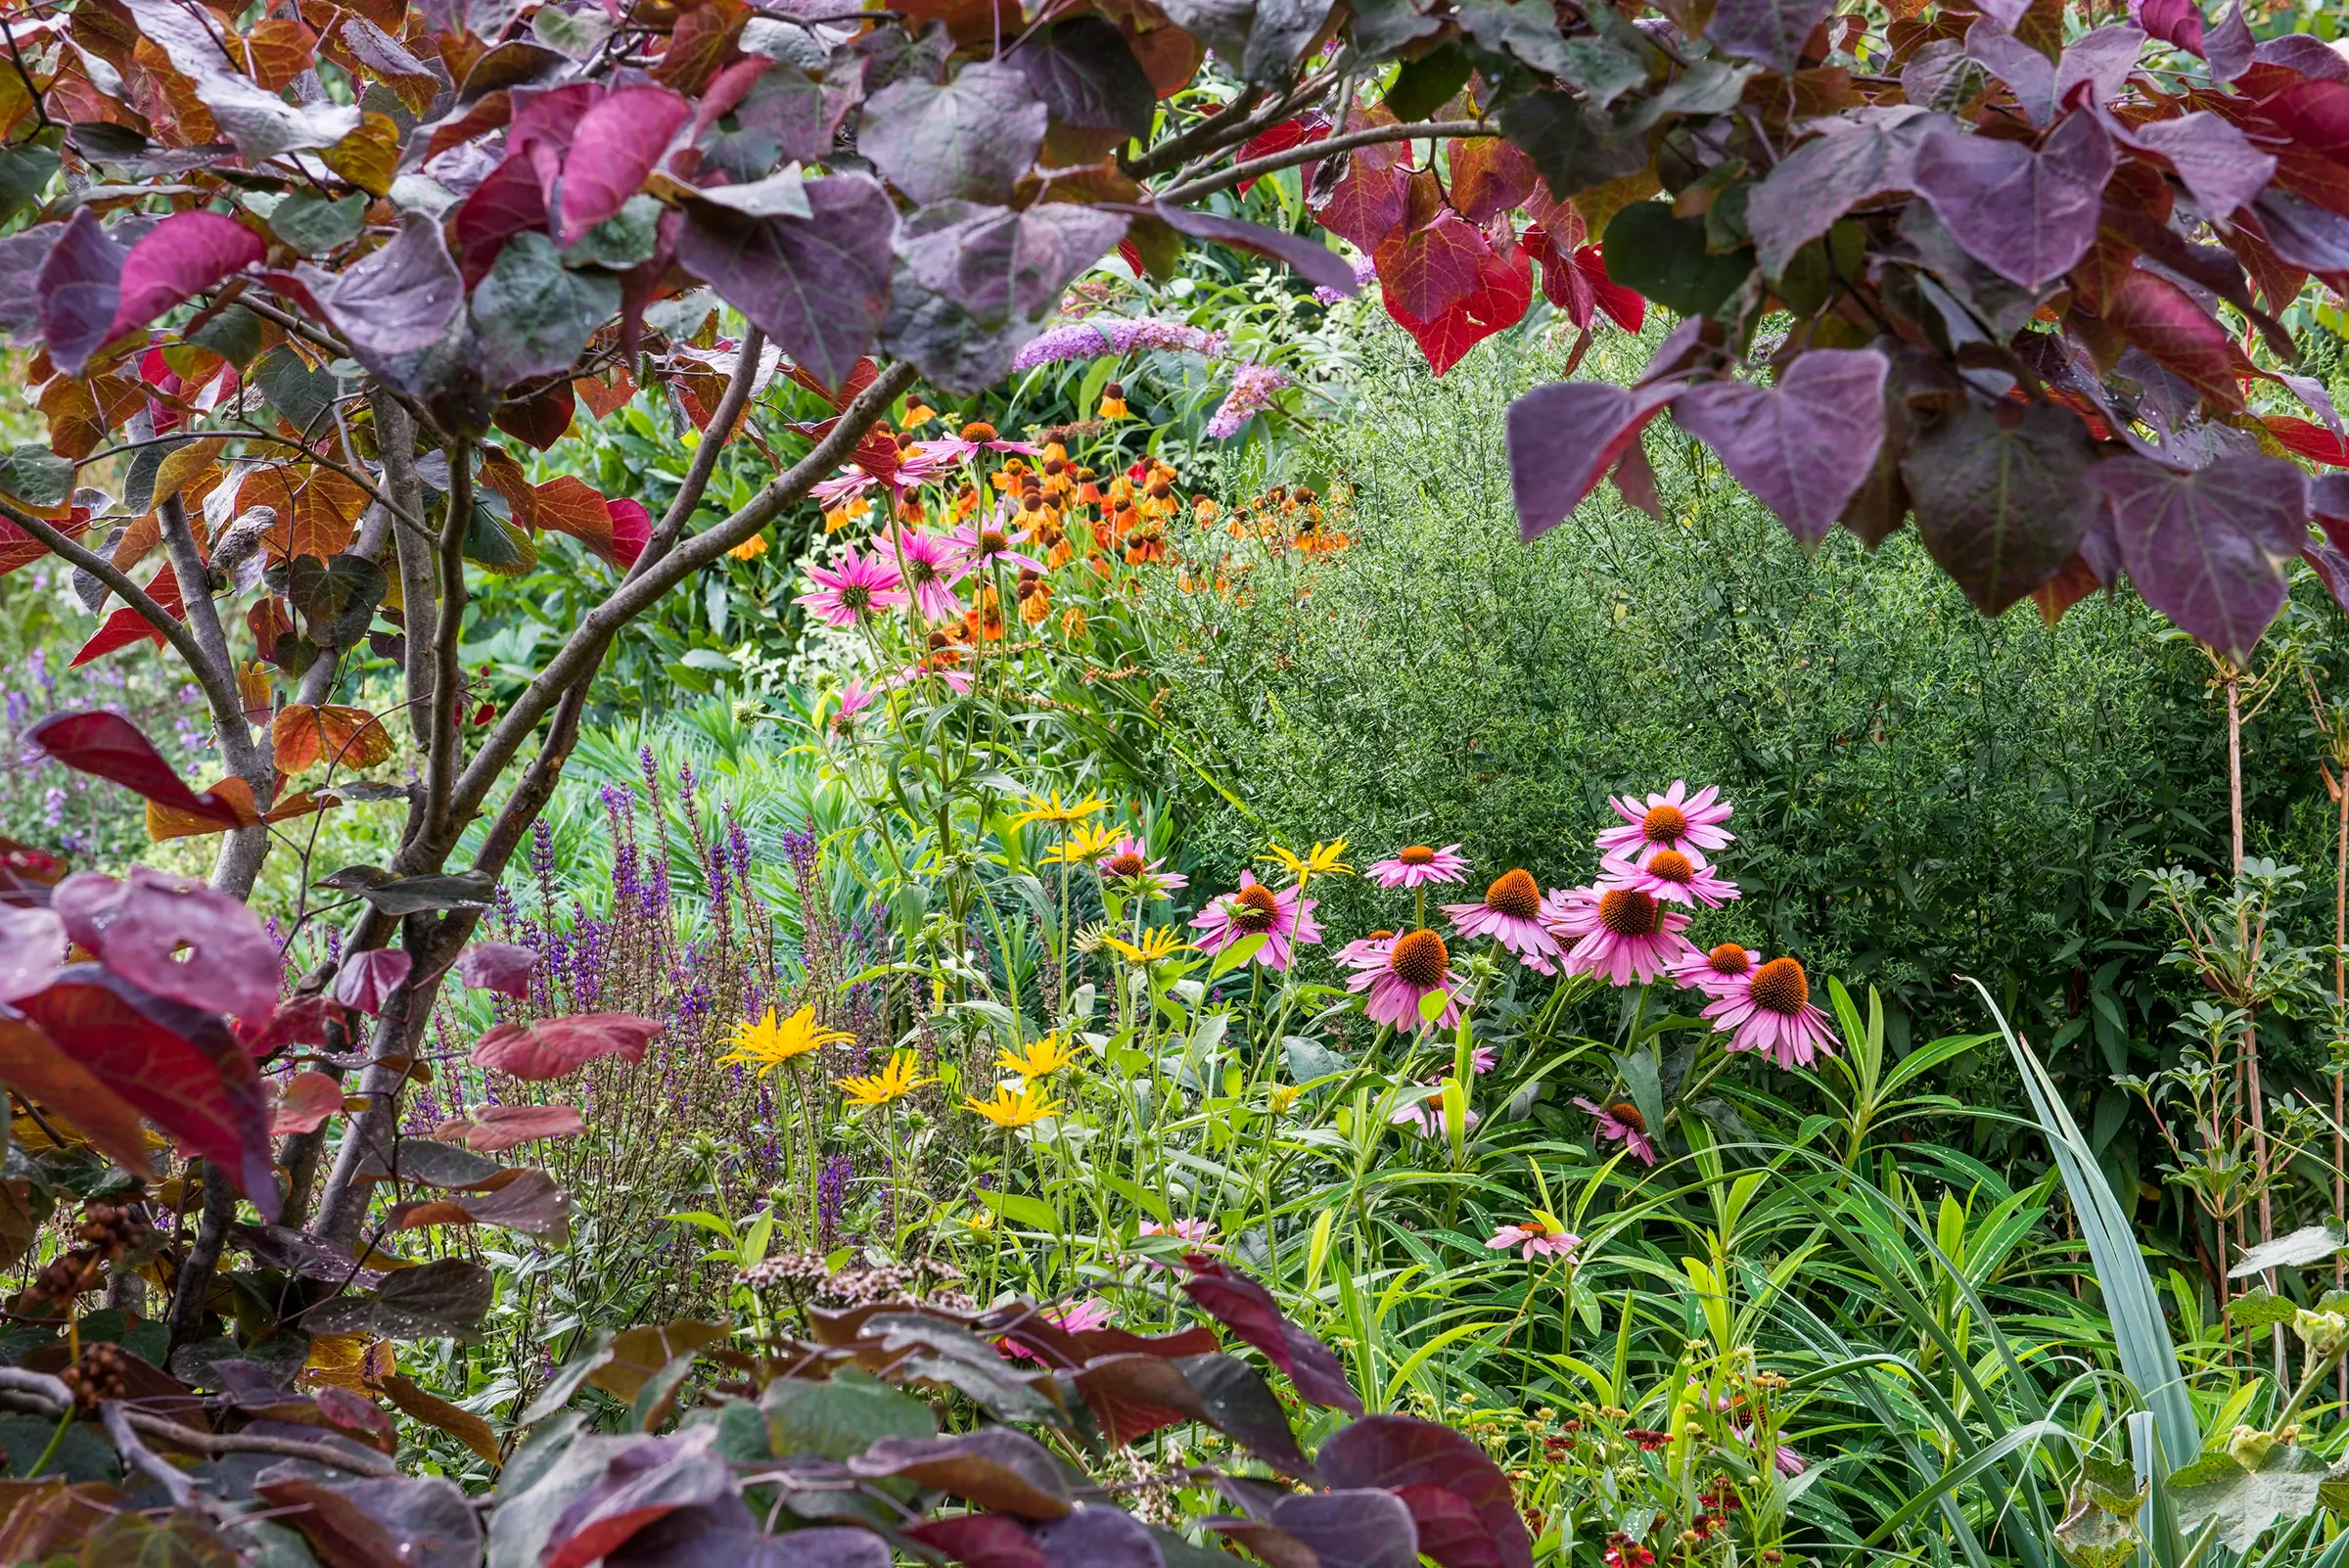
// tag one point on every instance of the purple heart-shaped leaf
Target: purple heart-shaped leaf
(1804, 445)
(2208, 549)
(2026, 216)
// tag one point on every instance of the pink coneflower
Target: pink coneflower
(1511, 915)
(1483, 1060)
(932, 568)
(1400, 973)
(1671, 820)
(1674, 875)
(1715, 972)
(858, 586)
(1129, 861)
(854, 699)
(1196, 1236)
(1790, 1463)
(1255, 909)
(1365, 951)
(1769, 1011)
(1621, 1122)
(1418, 866)
(1620, 932)
(846, 485)
(974, 439)
(984, 545)
(1074, 1317)
(1538, 1237)
(958, 680)
(1426, 1112)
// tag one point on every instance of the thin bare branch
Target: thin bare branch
(580, 655)
(1272, 162)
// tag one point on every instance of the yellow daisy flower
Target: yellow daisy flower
(1049, 809)
(767, 1044)
(893, 1083)
(1158, 944)
(1320, 861)
(1008, 1110)
(1039, 1058)
(1084, 844)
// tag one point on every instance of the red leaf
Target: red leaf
(1403, 1453)
(501, 966)
(1279, 139)
(2316, 113)
(138, 928)
(2162, 319)
(645, 1481)
(127, 626)
(299, 1022)
(178, 258)
(1489, 176)
(506, 204)
(32, 1064)
(367, 980)
(1626, 307)
(542, 419)
(631, 530)
(1366, 203)
(1505, 288)
(2307, 438)
(1426, 273)
(19, 549)
(493, 1129)
(980, 1541)
(556, 1047)
(615, 147)
(1563, 284)
(304, 1103)
(1248, 1310)
(178, 1067)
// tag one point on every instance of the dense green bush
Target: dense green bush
(1921, 792)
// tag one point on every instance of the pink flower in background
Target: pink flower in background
(1622, 1123)
(1115, 335)
(1671, 820)
(1511, 915)
(932, 568)
(1673, 875)
(1483, 1059)
(1717, 972)
(958, 680)
(1196, 1236)
(1129, 861)
(858, 586)
(1363, 952)
(1418, 866)
(1398, 974)
(985, 545)
(1251, 389)
(1074, 1317)
(1256, 910)
(855, 698)
(1537, 1238)
(1769, 1011)
(1426, 1112)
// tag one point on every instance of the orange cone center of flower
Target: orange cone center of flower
(1533, 1227)
(1126, 865)
(1254, 908)
(1672, 865)
(1664, 825)
(978, 431)
(1418, 959)
(1729, 960)
(1628, 1114)
(1515, 893)
(993, 544)
(1627, 912)
(1779, 986)
(1417, 855)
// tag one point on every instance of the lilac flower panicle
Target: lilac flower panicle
(1251, 389)
(1117, 335)
(831, 1193)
